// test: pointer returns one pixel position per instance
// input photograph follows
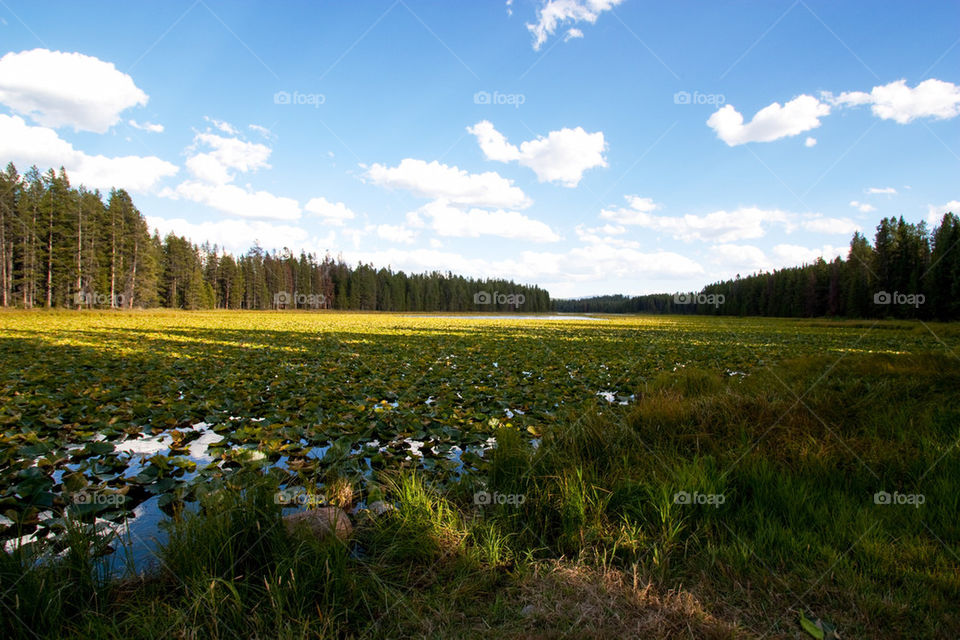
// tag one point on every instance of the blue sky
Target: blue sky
(589, 146)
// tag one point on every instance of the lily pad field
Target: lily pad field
(543, 476)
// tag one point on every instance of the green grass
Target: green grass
(787, 460)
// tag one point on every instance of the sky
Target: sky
(587, 146)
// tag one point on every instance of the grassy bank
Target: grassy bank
(715, 506)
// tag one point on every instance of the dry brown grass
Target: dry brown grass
(576, 600)
(339, 492)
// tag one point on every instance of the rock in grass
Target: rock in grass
(380, 507)
(320, 522)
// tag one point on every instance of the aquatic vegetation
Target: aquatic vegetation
(746, 450)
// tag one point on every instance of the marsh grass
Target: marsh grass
(599, 546)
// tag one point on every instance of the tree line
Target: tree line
(62, 246)
(908, 272)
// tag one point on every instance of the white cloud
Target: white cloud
(636, 214)
(237, 236)
(396, 233)
(740, 258)
(770, 123)
(896, 101)
(790, 255)
(562, 156)
(607, 234)
(225, 127)
(263, 131)
(217, 168)
(571, 34)
(605, 230)
(447, 220)
(235, 200)
(810, 142)
(227, 153)
(581, 264)
(862, 207)
(439, 181)
(27, 145)
(890, 191)
(207, 168)
(744, 258)
(146, 126)
(935, 213)
(820, 224)
(554, 13)
(58, 89)
(718, 226)
(332, 213)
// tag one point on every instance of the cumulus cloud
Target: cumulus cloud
(822, 224)
(225, 127)
(810, 142)
(788, 255)
(447, 220)
(585, 232)
(235, 200)
(741, 258)
(935, 213)
(439, 181)
(581, 264)
(58, 89)
(146, 126)
(396, 233)
(27, 145)
(554, 13)
(718, 226)
(225, 154)
(562, 156)
(335, 213)
(896, 101)
(889, 191)
(770, 123)
(263, 131)
(862, 207)
(745, 258)
(636, 213)
(215, 170)
(237, 236)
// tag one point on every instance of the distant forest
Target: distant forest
(908, 272)
(64, 247)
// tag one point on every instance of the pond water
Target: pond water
(138, 532)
